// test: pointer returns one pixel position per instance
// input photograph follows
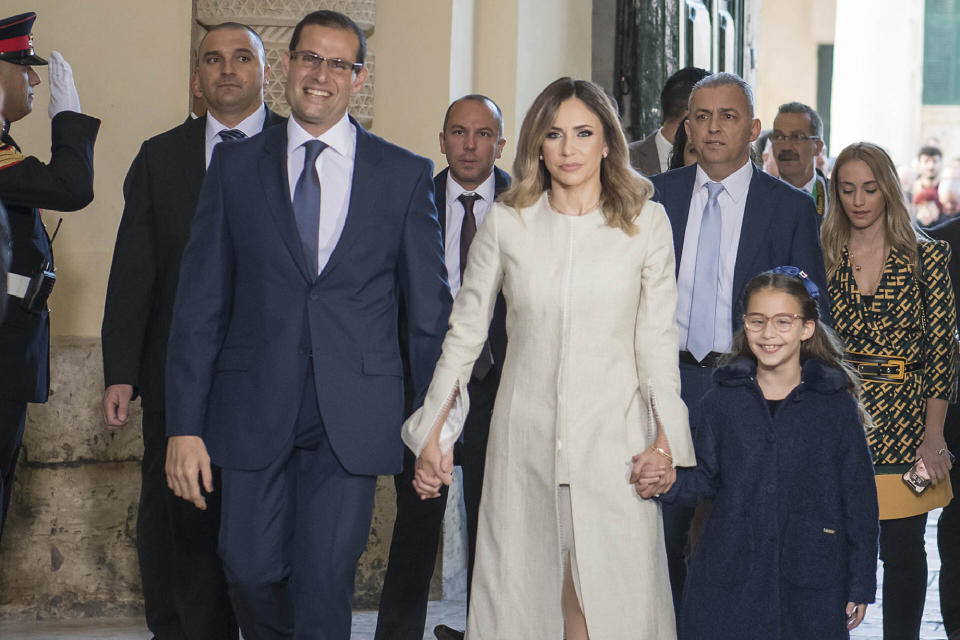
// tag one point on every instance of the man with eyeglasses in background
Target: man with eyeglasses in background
(797, 140)
(283, 364)
(184, 591)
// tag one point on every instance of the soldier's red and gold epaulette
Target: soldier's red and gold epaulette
(9, 156)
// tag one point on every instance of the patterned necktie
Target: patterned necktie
(306, 202)
(231, 134)
(469, 229)
(703, 302)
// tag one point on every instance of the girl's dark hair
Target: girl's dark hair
(823, 345)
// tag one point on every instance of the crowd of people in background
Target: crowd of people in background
(695, 404)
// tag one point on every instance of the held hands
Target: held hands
(63, 88)
(187, 460)
(433, 470)
(935, 457)
(116, 405)
(652, 473)
(855, 614)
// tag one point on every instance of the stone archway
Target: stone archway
(274, 20)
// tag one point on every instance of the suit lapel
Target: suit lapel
(363, 193)
(757, 216)
(276, 187)
(194, 167)
(440, 197)
(678, 201)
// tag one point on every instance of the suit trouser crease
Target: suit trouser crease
(292, 534)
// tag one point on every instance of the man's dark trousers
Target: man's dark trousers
(417, 529)
(183, 579)
(694, 383)
(276, 529)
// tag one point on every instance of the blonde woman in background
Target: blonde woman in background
(893, 307)
(590, 393)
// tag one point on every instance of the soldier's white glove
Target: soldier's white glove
(63, 89)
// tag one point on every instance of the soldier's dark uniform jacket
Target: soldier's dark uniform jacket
(27, 187)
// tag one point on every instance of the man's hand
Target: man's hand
(186, 460)
(855, 613)
(63, 89)
(433, 469)
(116, 405)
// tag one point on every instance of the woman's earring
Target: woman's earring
(541, 156)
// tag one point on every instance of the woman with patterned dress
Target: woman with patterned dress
(590, 392)
(893, 306)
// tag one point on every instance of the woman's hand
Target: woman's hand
(855, 614)
(652, 474)
(935, 457)
(433, 470)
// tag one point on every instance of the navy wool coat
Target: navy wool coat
(792, 535)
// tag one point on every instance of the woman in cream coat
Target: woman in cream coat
(590, 392)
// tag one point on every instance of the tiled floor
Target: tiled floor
(452, 613)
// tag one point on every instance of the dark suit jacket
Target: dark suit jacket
(251, 315)
(27, 186)
(779, 228)
(950, 232)
(643, 155)
(160, 193)
(498, 325)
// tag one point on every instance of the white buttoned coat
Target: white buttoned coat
(591, 357)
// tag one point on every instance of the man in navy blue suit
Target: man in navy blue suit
(730, 222)
(284, 363)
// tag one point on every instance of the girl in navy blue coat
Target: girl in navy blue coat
(789, 549)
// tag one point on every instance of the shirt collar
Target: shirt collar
(486, 190)
(736, 184)
(809, 186)
(662, 143)
(251, 125)
(341, 137)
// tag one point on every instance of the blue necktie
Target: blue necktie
(703, 302)
(232, 134)
(306, 202)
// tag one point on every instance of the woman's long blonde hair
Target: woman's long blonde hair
(835, 231)
(623, 191)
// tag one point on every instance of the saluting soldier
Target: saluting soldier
(26, 187)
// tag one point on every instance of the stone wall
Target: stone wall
(69, 545)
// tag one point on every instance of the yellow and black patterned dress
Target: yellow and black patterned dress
(905, 343)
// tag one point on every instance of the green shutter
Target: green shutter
(941, 52)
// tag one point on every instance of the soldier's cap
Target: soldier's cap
(16, 42)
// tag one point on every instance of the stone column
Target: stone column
(878, 76)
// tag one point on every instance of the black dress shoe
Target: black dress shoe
(443, 632)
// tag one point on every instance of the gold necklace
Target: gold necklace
(859, 267)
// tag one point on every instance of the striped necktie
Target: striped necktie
(231, 134)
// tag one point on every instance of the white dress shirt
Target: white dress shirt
(454, 224)
(335, 168)
(251, 126)
(809, 186)
(664, 148)
(732, 201)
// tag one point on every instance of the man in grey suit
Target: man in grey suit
(652, 154)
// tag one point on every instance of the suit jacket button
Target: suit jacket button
(314, 295)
